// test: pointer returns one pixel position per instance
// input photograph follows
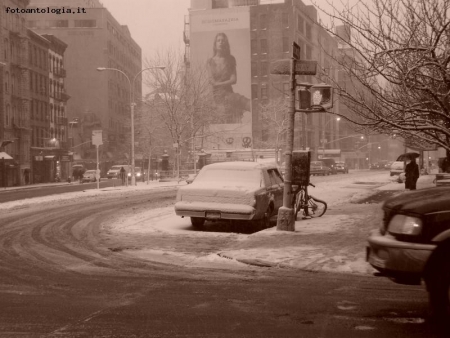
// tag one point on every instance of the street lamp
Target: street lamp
(323, 135)
(132, 104)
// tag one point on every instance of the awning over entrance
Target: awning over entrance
(5, 156)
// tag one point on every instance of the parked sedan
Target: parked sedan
(89, 176)
(319, 168)
(248, 191)
(413, 243)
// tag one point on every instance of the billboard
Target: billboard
(220, 42)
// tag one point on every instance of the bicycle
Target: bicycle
(311, 206)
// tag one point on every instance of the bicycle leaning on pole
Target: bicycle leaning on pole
(311, 206)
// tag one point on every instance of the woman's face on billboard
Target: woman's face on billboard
(220, 42)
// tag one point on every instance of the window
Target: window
(254, 68)
(253, 46)
(285, 44)
(85, 23)
(253, 22)
(58, 23)
(8, 115)
(308, 53)
(263, 21)
(264, 92)
(264, 48)
(300, 23)
(264, 68)
(6, 50)
(254, 91)
(284, 20)
(308, 32)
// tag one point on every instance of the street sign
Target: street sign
(305, 67)
(295, 51)
(302, 67)
(97, 137)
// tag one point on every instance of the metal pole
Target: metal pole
(97, 173)
(285, 220)
(323, 143)
(133, 179)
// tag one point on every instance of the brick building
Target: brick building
(98, 100)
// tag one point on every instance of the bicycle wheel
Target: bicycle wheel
(316, 207)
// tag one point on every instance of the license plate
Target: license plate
(213, 215)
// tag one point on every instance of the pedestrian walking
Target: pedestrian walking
(411, 174)
(122, 175)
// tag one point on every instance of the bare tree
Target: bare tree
(274, 121)
(182, 100)
(396, 67)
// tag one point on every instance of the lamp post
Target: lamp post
(323, 135)
(132, 104)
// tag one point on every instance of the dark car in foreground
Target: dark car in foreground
(413, 243)
(247, 191)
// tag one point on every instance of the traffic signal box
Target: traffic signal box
(301, 160)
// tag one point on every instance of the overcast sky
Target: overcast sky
(154, 24)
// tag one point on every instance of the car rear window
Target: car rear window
(230, 176)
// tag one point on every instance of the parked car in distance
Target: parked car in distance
(319, 168)
(114, 171)
(397, 168)
(341, 167)
(387, 165)
(413, 243)
(249, 191)
(330, 163)
(89, 176)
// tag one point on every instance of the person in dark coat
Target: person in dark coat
(411, 174)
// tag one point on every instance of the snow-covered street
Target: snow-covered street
(335, 242)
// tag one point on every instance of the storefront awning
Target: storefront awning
(5, 156)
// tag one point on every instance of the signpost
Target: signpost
(97, 141)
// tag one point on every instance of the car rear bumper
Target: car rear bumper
(215, 210)
(397, 259)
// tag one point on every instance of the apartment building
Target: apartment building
(259, 32)
(98, 100)
(15, 132)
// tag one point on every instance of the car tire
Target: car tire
(198, 222)
(264, 222)
(437, 279)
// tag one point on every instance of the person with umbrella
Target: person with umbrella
(411, 173)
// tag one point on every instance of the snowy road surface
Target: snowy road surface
(335, 242)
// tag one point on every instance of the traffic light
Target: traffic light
(322, 95)
(304, 97)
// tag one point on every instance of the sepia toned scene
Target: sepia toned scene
(224, 168)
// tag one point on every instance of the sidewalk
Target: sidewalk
(335, 242)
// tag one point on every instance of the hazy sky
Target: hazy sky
(154, 24)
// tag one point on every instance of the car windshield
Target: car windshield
(116, 167)
(90, 172)
(317, 163)
(237, 177)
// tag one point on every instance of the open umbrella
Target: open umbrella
(407, 156)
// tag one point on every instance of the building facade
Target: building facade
(15, 132)
(98, 100)
(272, 27)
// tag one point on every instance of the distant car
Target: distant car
(387, 165)
(413, 243)
(190, 178)
(137, 173)
(319, 168)
(330, 163)
(341, 167)
(114, 171)
(248, 191)
(89, 176)
(397, 168)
